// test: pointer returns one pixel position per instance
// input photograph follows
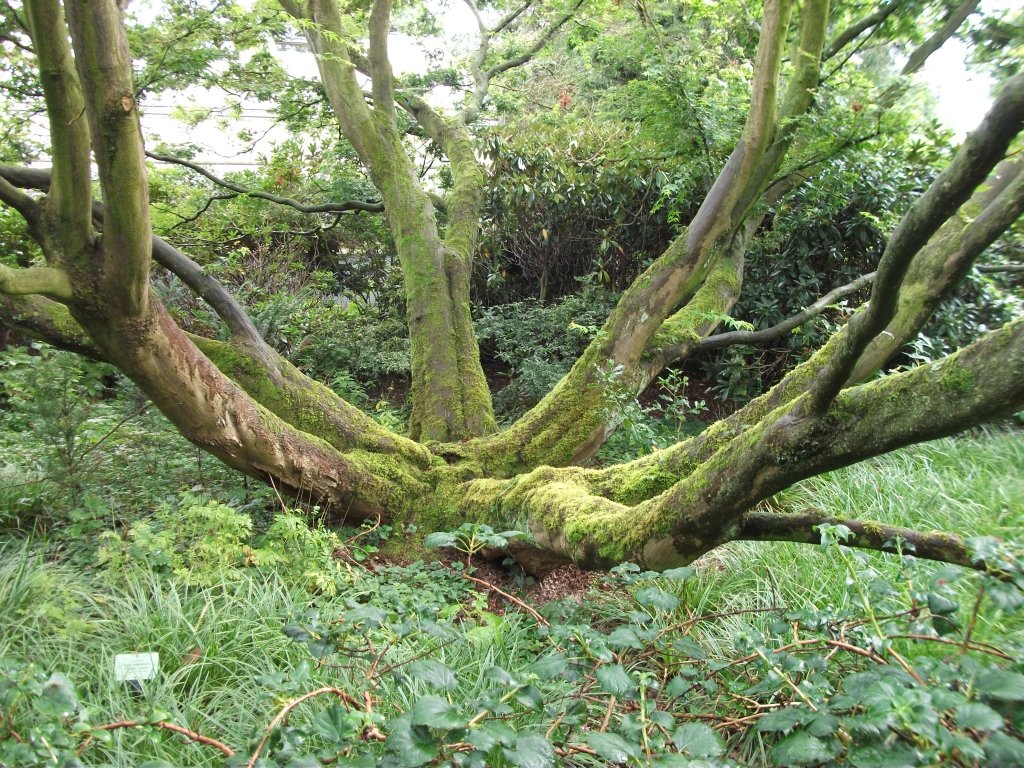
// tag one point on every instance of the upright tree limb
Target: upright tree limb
(69, 130)
(382, 79)
(104, 69)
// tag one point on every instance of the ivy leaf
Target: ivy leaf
(435, 712)
(800, 748)
(1001, 685)
(305, 761)
(612, 747)
(698, 740)
(549, 667)
(615, 680)
(980, 717)
(531, 751)
(433, 673)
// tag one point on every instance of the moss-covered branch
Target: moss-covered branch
(40, 318)
(69, 130)
(981, 152)
(802, 528)
(45, 281)
(105, 70)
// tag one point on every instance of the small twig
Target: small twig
(540, 619)
(974, 619)
(187, 733)
(606, 720)
(286, 710)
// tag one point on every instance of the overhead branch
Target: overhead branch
(482, 77)
(803, 528)
(46, 281)
(949, 27)
(24, 204)
(732, 338)
(860, 26)
(348, 205)
(534, 48)
(981, 152)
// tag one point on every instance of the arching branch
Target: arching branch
(732, 338)
(860, 26)
(348, 205)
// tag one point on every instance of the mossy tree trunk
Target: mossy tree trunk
(249, 407)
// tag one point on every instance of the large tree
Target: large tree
(244, 403)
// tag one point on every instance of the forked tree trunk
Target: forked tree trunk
(254, 411)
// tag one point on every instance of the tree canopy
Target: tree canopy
(728, 123)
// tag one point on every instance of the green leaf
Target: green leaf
(440, 539)
(615, 680)
(413, 745)
(980, 717)
(888, 756)
(531, 751)
(781, 719)
(549, 667)
(698, 740)
(1003, 749)
(435, 712)
(613, 747)
(658, 598)
(491, 734)
(940, 605)
(58, 698)
(530, 697)
(800, 748)
(334, 724)
(678, 574)
(433, 672)
(305, 761)
(1001, 685)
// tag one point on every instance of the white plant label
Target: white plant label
(136, 666)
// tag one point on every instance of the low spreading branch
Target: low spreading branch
(804, 528)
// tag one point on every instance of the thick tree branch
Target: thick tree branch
(382, 79)
(945, 261)
(994, 269)
(69, 131)
(980, 153)
(932, 44)
(732, 338)
(802, 528)
(46, 281)
(105, 70)
(534, 48)
(347, 205)
(40, 318)
(24, 204)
